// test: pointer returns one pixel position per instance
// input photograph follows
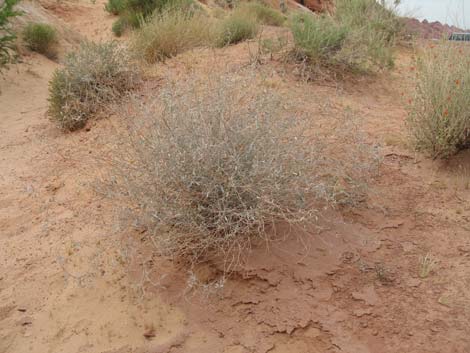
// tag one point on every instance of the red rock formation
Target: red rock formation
(430, 30)
(316, 5)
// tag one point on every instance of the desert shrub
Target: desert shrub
(133, 13)
(374, 28)
(236, 28)
(359, 36)
(42, 38)
(439, 116)
(7, 36)
(211, 165)
(170, 33)
(119, 26)
(93, 76)
(319, 38)
(115, 7)
(264, 14)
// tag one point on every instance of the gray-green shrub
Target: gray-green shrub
(359, 36)
(439, 112)
(211, 166)
(319, 38)
(92, 77)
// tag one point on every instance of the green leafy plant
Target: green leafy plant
(42, 38)
(7, 36)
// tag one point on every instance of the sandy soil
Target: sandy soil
(72, 281)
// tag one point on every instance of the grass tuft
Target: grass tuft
(235, 28)
(358, 37)
(170, 33)
(264, 14)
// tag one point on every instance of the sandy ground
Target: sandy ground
(71, 281)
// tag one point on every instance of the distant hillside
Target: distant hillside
(430, 30)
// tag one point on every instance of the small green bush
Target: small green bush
(115, 7)
(264, 14)
(119, 26)
(92, 77)
(236, 28)
(133, 13)
(170, 33)
(359, 36)
(42, 38)
(7, 36)
(439, 113)
(319, 38)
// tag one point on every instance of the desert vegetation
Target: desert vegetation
(263, 14)
(169, 33)
(42, 38)
(213, 165)
(359, 36)
(236, 27)
(134, 13)
(439, 111)
(94, 75)
(7, 35)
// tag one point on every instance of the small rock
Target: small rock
(364, 324)
(362, 312)
(27, 320)
(375, 333)
(368, 295)
(150, 333)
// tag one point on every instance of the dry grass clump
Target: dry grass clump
(358, 37)
(439, 116)
(318, 38)
(42, 38)
(264, 14)
(237, 27)
(209, 166)
(91, 77)
(170, 33)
